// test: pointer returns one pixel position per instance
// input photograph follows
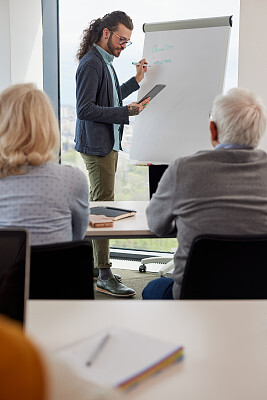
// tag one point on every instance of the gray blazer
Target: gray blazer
(95, 109)
(219, 192)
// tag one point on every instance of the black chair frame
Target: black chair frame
(226, 267)
(62, 271)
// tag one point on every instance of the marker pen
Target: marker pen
(145, 65)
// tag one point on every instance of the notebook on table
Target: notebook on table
(120, 358)
(100, 221)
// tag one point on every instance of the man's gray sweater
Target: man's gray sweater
(221, 191)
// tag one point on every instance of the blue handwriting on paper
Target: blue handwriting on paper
(156, 49)
(157, 62)
(165, 47)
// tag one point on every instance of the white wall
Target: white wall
(21, 42)
(253, 46)
(252, 71)
(5, 76)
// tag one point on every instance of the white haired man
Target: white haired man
(215, 191)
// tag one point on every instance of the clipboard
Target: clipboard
(153, 92)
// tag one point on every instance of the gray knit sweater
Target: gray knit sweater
(219, 192)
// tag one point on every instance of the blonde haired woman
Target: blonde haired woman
(49, 199)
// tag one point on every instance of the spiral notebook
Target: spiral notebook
(120, 358)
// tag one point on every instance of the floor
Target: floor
(131, 277)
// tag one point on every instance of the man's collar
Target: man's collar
(107, 57)
(232, 146)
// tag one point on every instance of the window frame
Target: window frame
(51, 53)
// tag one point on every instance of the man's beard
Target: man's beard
(113, 50)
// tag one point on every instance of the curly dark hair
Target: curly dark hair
(93, 34)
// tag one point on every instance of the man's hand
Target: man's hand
(140, 70)
(136, 108)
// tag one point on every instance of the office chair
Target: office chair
(14, 272)
(62, 271)
(226, 267)
(168, 264)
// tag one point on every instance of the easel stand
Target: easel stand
(155, 174)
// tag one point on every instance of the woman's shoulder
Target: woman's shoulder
(65, 170)
(62, 172)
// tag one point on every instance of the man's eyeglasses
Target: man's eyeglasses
(122, 40)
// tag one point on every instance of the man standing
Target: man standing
(221, 191)
(100, 119)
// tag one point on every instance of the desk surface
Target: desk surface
(135, 226)
(225, 341)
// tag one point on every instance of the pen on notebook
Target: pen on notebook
(137, 63)
(97, 350)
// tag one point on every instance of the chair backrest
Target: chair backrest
(14, 272)
(62, 271)
(226, 267)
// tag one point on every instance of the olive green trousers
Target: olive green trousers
(101, 172)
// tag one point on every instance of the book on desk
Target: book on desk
(100, 221)
(112, 212)
(120, 358)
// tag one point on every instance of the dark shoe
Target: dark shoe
(96, 273)
(113, 287)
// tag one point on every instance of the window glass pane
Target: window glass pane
(74, 16)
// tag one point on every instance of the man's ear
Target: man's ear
(213, 134)
(106, 33)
